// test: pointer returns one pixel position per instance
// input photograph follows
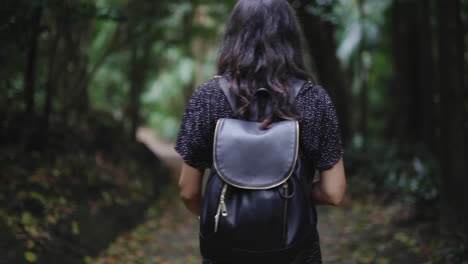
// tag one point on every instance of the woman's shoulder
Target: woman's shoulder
(207, 92)
(314, 101)
(210, 97)
(311, 91)
(208, 87)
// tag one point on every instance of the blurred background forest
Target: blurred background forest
(79, 77)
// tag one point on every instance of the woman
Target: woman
(262, 47)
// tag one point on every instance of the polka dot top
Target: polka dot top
(320, 143)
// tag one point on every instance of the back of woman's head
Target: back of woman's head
(262, 47)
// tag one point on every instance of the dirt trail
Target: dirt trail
(163, 150)
(359, 231)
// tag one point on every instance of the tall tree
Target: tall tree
(425, 91)
(453, 115)
(403, 120)
(413, 90)
(142, 32)
(30, 81)
(30, 72)
(363, 69)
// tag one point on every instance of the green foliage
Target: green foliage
(30, 256)
(41, 194)
(359, 22)
(385, 168)
(98, 68)
(185, 66)
(364, 48)
(181, 55)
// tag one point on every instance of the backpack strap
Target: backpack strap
(296, 88)
(224, 84)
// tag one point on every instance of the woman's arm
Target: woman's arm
(331, 187)
(190, 186)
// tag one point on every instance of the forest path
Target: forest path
(358, 231)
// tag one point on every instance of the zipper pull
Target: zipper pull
(222, 204)
(223, 209)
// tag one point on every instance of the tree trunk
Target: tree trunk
(30, 77)
(464, 43)
(50, 88)
(134, 93)
(426, 92)
(140, 58)
(363, 71)
(404, 120)
(413, 92)
(30, 73)
(454, 169)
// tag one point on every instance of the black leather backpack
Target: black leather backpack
(256, 205)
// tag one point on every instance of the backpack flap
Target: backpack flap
(247, 157)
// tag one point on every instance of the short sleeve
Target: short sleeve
(321, 134)
(193, 142)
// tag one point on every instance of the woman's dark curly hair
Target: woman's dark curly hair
(262, 47)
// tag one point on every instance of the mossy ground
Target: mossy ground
(363, 229)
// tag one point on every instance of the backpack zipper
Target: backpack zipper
(222, 210)
(285, 213)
